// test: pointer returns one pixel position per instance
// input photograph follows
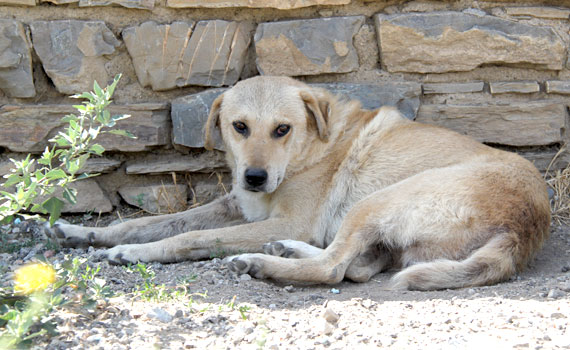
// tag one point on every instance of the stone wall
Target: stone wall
(496, 70)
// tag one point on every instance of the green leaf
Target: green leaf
(56, 174)
(111, 88)
(122, 133)
(53, 206)
(12, 180)
(97, 89)
(97, 149)
(70, 194)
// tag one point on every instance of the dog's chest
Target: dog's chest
(254, 206)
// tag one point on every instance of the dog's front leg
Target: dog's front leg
(193, 245)
(220, 213)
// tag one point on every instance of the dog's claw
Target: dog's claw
(243, 264)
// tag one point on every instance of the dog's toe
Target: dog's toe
(274, 248)
(245, 264)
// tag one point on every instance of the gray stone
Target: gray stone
(100, 165)
(521, 87)
(307, 47)
(206, 162)
(521, 124)
(404, 96)
(28, 128)
(18, 2)
(60, 2)
(440, 42)
(133, 4)
(558, 87)
(189, 115)
(90, 198)
(546, 161)
(539, 12)
(277, 4)
(206, 191)
(160, 314)
(73, 53)
(453, 88)
(16, 78)
(158, 199)
(208, 53)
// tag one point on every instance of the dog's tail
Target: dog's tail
(494, 262)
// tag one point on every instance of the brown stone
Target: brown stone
(28, 128)
(159, 199)
(167, 56)
(558, 87)
(539, 12)
(278, 4)
(95, 165)
(18, 2)
(206, 162)
(133, 4)
(74, 53)
(441, 42)
(307, 47)
(16, 78)
(90, 198)
(521, 124)
(521, 87)
(452, 88)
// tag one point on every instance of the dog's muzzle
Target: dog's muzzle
(255, 178)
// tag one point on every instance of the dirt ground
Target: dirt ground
(220, 310)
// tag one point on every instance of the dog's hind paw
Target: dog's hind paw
(245, 264)
(119, 255)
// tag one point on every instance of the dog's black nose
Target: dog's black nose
(255, 177)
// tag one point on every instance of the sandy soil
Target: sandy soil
(220, 310)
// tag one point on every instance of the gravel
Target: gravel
(223, 311)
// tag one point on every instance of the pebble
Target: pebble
(330, 316)
(161, 315)
(555, 294)
(289, 289)
(95, 338)
(245, 277)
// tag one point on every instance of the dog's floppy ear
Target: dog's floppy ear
(319, 111)
(212, 122)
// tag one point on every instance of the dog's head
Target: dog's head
(266, 122)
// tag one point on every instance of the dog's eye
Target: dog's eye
(282, 130)
(240, 127)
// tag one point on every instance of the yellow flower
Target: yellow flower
(33, 277)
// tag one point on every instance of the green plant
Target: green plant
(39, 289)
(36, 181)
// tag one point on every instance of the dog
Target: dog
(324, 190)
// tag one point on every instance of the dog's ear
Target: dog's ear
(319, 111)
(212, 122)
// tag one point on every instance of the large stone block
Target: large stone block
(453, 41)
(133, 4)
(307, 47)
(539, 12)
(28, 128)
(90, 198)
(208, 53)
(73, 53)
(278, 4)
(158, 199)
(18, 2)
(189, 115)
(404, 96)
(520, 124)
(16, 78)
(206, 162)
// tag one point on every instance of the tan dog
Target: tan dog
(343, 192)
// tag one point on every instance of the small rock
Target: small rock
(331, 316)
(557, 315)
(245, 277)
(289, 289)
(272, 306)
(555, 294)
(565, 287)
(179, 314)
(95, 338)
(160, 314)
(327, 329)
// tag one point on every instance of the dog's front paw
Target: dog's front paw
(246, 263)
(122, 255)
(70, 236)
